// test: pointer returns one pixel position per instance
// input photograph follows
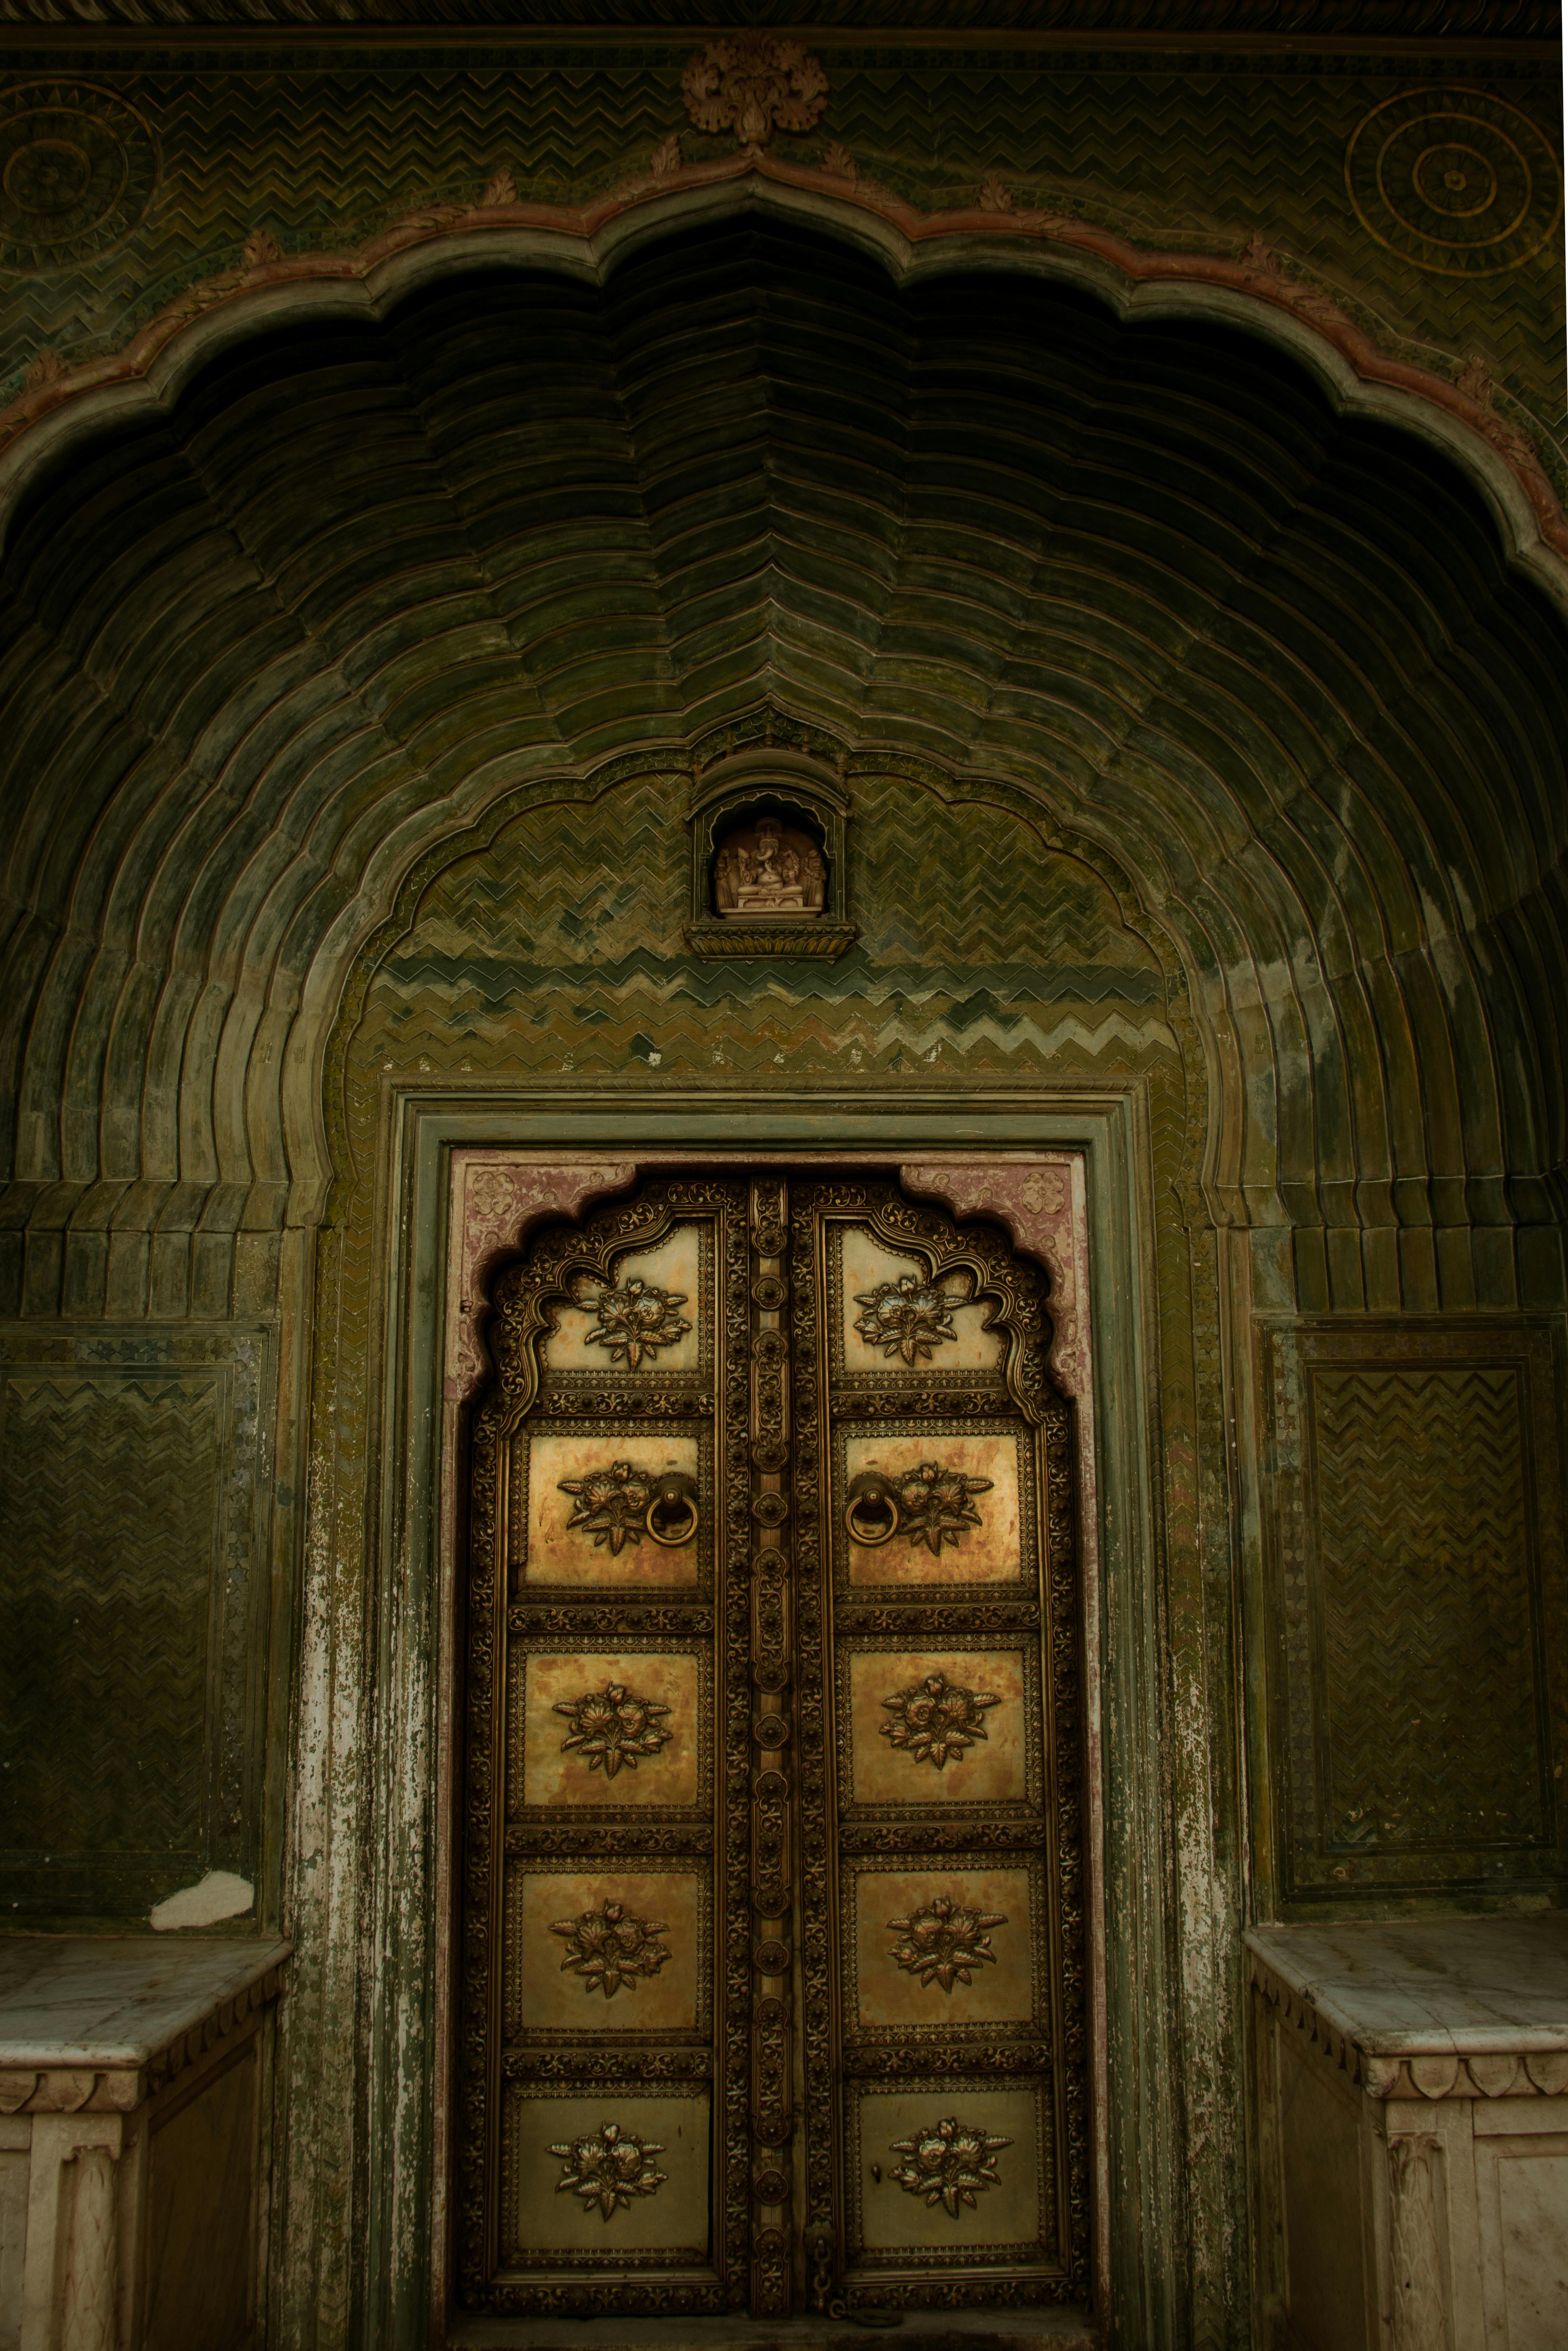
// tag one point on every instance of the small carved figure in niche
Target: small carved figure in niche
(770, 869)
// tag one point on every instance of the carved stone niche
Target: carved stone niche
(768, 870)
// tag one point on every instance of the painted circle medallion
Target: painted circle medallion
(77, 169)
(1455, 181)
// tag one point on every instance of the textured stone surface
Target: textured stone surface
(1465, 1986)
(1418, 1590)
(117, 2001)
(133, 1510)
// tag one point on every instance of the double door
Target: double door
(772, 1933)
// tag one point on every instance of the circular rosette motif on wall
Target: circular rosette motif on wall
(77, 169)
(1455, 181)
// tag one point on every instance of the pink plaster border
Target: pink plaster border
(495, 1198)
(1259, 275)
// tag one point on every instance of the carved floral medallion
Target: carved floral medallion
(621, 1503)
(951, 2164)
(927, 1504)
(609, 2170)
(609, 1948)
(937, 1720)
(909, 1317)
(636, 1319)
(613, 1727)
(753, 85)
(945, 1942)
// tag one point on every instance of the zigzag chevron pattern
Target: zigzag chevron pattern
(1428, 1664)
(323, 158)
(979, 949)
(108, 1499)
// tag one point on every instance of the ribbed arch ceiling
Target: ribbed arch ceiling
(366, 578)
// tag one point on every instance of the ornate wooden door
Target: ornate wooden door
(772, 1935)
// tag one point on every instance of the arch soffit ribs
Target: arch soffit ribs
(1253, 295)
(1206, 951)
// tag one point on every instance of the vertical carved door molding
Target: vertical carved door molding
(772, 1769)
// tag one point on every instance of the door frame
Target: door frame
(411, 1773)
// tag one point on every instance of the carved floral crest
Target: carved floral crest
(609, 2170)
(613, 1727)
(909, 1317)
(636, 1319)
(937, 1720)
(944, 1943)
(755, 85)
(950, 2164)
(609, 1948)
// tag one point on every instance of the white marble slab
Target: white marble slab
(1430, 1986)
(116, 2001)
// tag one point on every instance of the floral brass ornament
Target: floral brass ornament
(944, 1943)
(613, 1727)
(636, 1319)
(951, 2164)
(937, 1720)
(927, 1504)
(621, 1503)
(753, 85)
(609, 2170)
(609, 1948)
(909, 1317)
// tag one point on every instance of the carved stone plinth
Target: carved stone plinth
(823, 940)
(130, 2101)
(1410, 2109)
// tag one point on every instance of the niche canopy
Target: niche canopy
(769, 831)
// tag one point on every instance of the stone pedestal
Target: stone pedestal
(1410, 2120)
(132, 2092)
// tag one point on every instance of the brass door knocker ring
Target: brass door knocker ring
(671, 1514)
(872, 1512)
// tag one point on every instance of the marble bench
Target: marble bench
(131, 2095)
(1409, 2088)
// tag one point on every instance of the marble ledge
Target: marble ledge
(1431, 2008)
(94, 2023)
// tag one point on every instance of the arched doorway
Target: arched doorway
(1205, 750)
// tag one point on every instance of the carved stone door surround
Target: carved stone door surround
(774, 1936)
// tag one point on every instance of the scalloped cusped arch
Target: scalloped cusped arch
(369, 577)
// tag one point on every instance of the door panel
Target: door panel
(946, 2115)
(771, 1769)
(605, 2069)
